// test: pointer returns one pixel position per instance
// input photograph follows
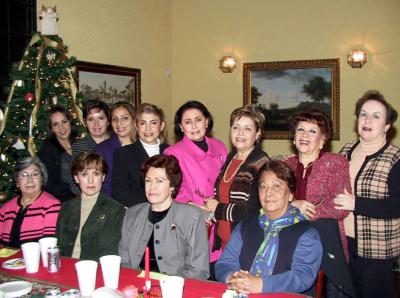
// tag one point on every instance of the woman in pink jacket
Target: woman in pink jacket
(200, 157)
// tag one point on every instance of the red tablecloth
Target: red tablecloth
(67, 278)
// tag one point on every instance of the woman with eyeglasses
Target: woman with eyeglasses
(123, 125)
(373, 224)
(33, 213)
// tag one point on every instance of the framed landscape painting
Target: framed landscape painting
(108, 82)
(281, 89)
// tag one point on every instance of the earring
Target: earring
(294, 142)
(320, 147)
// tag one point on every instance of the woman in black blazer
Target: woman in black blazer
(150, 140)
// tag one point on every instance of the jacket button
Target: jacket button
(157, 241)
(157, 227)
(76, 228)
(159, 258)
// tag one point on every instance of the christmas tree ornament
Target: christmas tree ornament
(19, 83)
(29, 97)
(3, 196)
(19, 145)
(47, 78)
(50, 58)
(48, 20)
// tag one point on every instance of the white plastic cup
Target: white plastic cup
(86, 271)
(31, 253)
(110, 266)
(172, 286)
(45, 243)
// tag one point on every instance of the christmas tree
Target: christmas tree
(40, 81)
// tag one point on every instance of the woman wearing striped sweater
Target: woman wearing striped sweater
(32, 214)
(236, 186)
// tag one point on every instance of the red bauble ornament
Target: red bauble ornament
(29, 97)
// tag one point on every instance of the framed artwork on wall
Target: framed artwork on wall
(281, 89)
(108, 82)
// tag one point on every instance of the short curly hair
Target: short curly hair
(282, 171)
(89, 159)
(314, 116)
(391, 113)
(251, 112)
(172, 170)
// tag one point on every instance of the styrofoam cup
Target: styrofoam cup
(45, 243)
(31, 253)
(110, 266)
(172, 286)
(86, 271)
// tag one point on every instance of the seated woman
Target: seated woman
(32, 214)
(175, 233)
(277, 251)
(90, 226)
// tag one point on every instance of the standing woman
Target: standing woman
(200, 157)
(122, 122)
(320, 175)
(56, 152)
(151, 134)
(373, 225)
(236, 186)
(96, 115)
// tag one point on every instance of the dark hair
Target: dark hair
(172, 170)
(89, 159)
(192, 104)
(391, 113)
(67, 114)
(131, 111)
(314, 116)
(152, 109)
(25, 162)
(96, 104)
(251, 112)
(282, 171)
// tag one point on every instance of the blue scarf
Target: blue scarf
(264, 261)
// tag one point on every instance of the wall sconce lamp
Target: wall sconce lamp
(227, 64)
(357, 58)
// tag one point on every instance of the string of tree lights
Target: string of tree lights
(40, 81)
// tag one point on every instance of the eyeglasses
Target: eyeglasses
(26, 175)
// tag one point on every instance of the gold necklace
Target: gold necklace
(234, 173)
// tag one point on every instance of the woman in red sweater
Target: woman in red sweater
(320, 176)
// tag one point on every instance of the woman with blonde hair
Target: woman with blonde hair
(150, 138)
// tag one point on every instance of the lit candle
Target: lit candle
(147, 280)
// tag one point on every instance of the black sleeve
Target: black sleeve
(383, 208)
(54, 185)
(235, 212)
(120, 180)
